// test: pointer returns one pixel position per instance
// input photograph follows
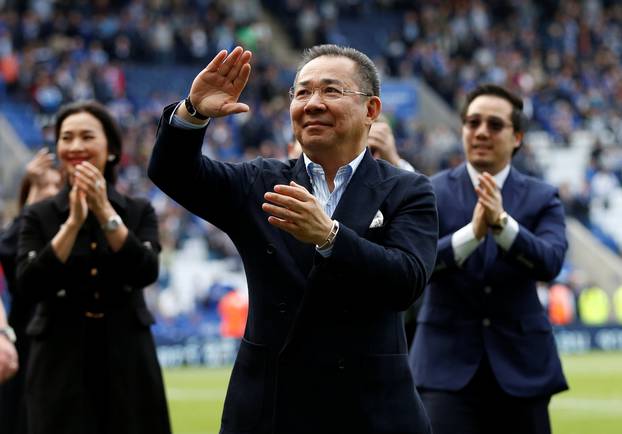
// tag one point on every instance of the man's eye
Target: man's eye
(301, 92)
(495, 125)
(331, 90)
(473, 123)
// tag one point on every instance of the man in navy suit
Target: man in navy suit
(484, 357)
(336, 245)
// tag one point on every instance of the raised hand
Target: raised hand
(293, 209)
(38, 165)
(381, 143)
(8, 359)
(215, 91)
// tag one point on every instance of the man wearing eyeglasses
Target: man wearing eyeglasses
(484, 357)
(336, 245)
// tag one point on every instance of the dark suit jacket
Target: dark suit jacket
(95, 280)
(324, 348)
(489, 305)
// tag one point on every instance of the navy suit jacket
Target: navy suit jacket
(488, 307)
(324, 348)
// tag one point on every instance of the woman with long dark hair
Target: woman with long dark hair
(84, 257)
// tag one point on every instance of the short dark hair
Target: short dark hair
(111, 130)
(518, 118)
(368, 75)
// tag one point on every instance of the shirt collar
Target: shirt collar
(499, 177)
(353, 164)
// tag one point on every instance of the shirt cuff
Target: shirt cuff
(464, 243)
(178, 122)
(506, 237)
(326, 252)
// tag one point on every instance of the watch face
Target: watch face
(112, 223)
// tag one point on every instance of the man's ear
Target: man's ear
(374, 108)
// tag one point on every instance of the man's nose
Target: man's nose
(482, 129)
(315, 101)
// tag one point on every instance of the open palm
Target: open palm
(215, 91)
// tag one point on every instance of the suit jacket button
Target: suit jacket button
(486, 322)
(93, 272)
(61, 293)
(282, 308)
(93, 246)
(96, 295)
(487, 289)
(270, 249)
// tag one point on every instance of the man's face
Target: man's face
(488, 136)
(326, 119)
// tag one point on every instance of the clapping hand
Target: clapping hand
(489, 196)
(293, 209)
(8, 359)
(40, 163)
(381, 143)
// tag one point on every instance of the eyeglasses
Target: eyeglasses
(327, 93)
(495, 125)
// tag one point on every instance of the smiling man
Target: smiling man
(484, 351)
(336, 245)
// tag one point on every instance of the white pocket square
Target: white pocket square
(378, 220)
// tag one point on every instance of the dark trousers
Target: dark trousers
(482, 407)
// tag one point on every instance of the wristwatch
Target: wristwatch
(501, 223)
(112, 224)
(192, 111)
(9, 333)
(330, 240)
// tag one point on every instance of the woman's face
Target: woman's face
(82, 138)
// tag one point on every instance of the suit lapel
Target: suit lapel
(363, 196)
(299, 254)
(513, 192)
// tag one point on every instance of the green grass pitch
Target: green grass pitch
(593, 405)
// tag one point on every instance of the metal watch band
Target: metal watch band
(331, 236)
(193, 111)
(113, 223)
(503, 221)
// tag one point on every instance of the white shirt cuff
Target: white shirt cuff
(325, 252)
(464, 243)
(506, 237)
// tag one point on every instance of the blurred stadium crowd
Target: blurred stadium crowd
(136, 56)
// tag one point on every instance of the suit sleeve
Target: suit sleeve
(396, 270)
(539, 251)
(39, 271)
(137, 260)
(210, 189)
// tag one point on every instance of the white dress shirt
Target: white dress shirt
(464, 242)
